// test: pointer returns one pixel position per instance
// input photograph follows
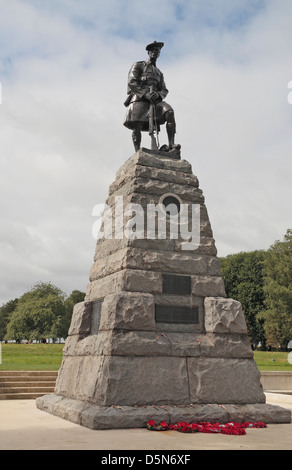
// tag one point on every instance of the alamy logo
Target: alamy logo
(170, 218)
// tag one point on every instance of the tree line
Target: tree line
(41, 313)
(261, 280)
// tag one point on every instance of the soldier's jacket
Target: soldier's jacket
(141, 76)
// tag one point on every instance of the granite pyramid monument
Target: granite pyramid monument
(156, 337)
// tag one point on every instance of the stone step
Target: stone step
(37, 388)
(28, 373)
(21, 396)
(15, 385)
(29, 384)
(23, 378)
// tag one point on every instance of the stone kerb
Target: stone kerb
(113, 417)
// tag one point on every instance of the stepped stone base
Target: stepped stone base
(156, 337)
(124, 417)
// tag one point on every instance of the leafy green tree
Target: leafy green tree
(278, 292)
(62, 325)
(5, 313)
(36, 313)
(243, 277)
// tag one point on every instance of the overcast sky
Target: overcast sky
(63, 71)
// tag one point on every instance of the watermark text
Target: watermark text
(174, 220)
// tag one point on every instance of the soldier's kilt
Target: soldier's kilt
(137, 113)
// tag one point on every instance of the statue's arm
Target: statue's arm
(135, 83)
(163, 90)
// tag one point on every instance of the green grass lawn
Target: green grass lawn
(49, 357)
(31, 356)
(272, 360)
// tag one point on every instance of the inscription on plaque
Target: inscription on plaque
(179, 285)
(171, 314)
(95, 316)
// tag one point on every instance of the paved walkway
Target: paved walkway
(24, 427)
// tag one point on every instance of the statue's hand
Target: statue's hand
(154, 96)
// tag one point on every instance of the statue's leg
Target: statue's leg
(137, 137)
(170, 127)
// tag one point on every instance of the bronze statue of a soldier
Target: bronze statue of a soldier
(147, 109)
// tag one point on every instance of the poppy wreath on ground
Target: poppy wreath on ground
(201, 426)
(152, 426)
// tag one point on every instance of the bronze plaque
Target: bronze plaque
(178, 285)
(179, 315)
(95, 316)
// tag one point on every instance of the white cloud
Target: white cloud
(63, 74)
